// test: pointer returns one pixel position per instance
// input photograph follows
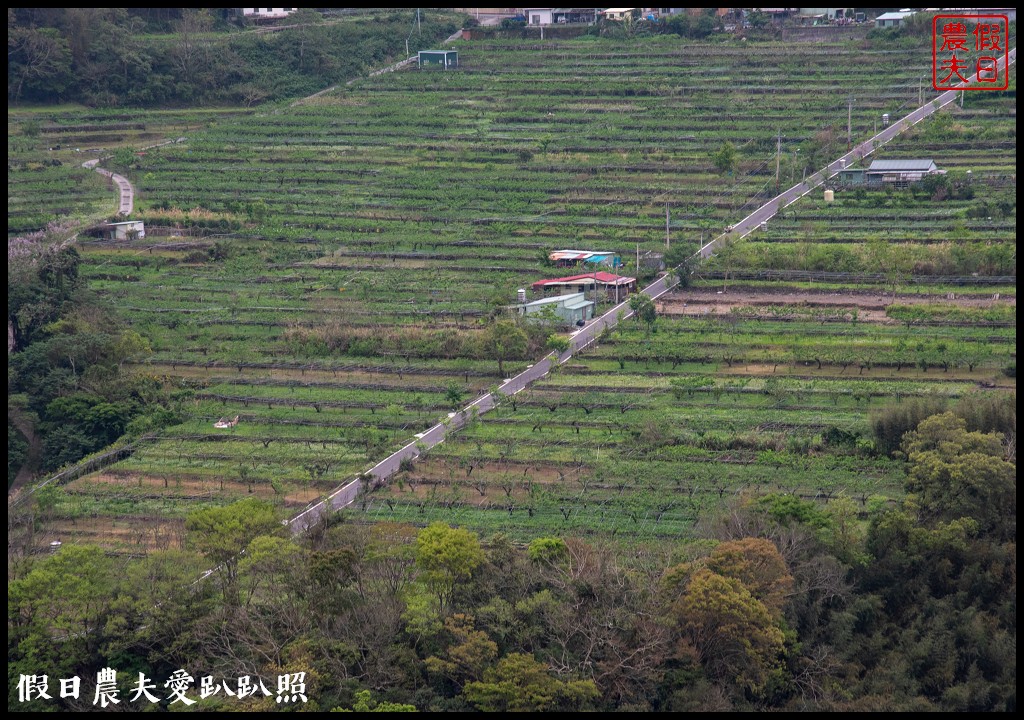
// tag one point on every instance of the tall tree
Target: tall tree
(725, 158)
(757, 563)
(505, 341)
(447, 556)
(521, 684)
(954, 473)
(643, 310)
(735, 634)
(38, 62)
(221, 533)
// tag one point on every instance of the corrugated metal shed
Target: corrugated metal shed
(889, 16)
(602, 278)
(902, 166)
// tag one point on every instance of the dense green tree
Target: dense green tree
(57, 612)
(680, 261)
(38, 62)
(221, 533)
(643, 310)
(557, 343)
(365, 703)
(521, 684)
(447, 556)
(38, 288)
(140, 56)
(954, 473)
(735, 634)
(725, 157)
(505, 340)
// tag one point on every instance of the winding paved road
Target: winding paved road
(387, 467)
(127, 200)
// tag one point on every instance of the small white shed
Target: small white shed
(127, 230)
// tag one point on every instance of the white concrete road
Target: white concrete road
(750, 223)
(126, 198)
(126, 201)
(387, 467)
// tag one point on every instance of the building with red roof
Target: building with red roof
(617, 287)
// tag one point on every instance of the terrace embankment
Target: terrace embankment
(870, 304)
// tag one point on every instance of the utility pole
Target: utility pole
(849, 123)
(407, 47)
(778, 153)
(638, 259)
(418, 28)
(615, 265)
(667, 236)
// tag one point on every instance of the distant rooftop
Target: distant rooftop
(895, 15)
(902, 165)
(571, 297)
(605, 278)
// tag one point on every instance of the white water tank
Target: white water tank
(521, 296)
(830, 196)
(885, 119)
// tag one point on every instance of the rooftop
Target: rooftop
(577, 304)
(604, 278)
(902, 165)
(895, 15)
(570, 298)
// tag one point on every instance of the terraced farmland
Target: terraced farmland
(46, 148)
(965, 226)
(647, 432)
(327, 272)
